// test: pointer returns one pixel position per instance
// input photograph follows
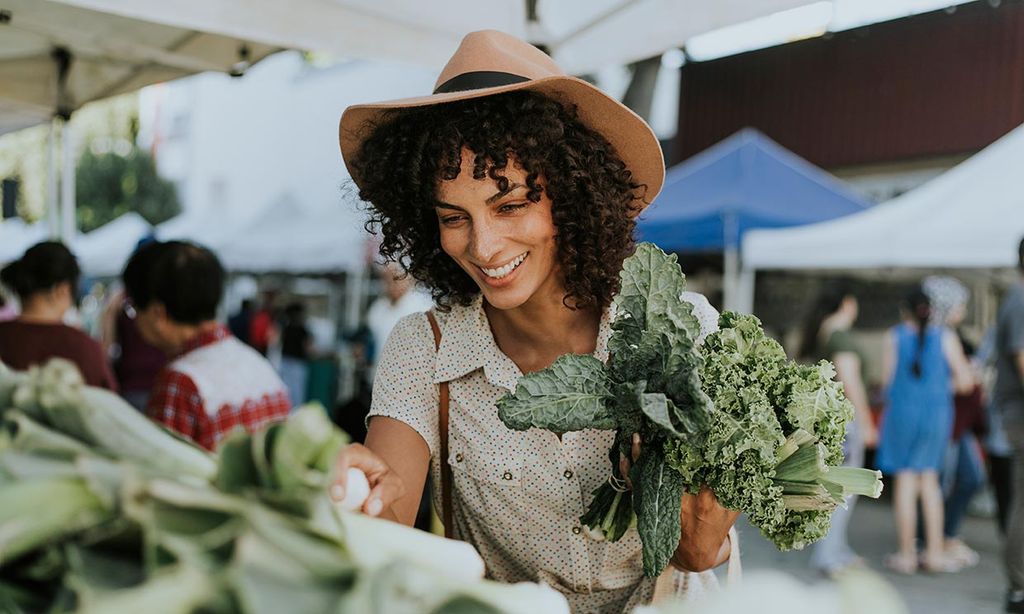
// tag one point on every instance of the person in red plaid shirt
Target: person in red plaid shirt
(213, 383)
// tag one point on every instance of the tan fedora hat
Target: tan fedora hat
(490, 62)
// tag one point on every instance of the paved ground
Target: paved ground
(872, 534)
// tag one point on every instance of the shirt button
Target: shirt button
(576, 530)
(568, 474)
(458, 458)
(507, 475)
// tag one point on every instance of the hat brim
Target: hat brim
(633, 140)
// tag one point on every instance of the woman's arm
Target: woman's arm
(963, 377)
(395, 460)
(848, 370)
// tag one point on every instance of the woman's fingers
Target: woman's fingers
(625, 464)
(385, 486)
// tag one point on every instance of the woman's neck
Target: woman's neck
(539, 331)
(41, 309)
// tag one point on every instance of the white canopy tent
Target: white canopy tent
(16, 236)
(971, 217)
(56, 56)
(104, 251)
(289, 237)
(582, 35)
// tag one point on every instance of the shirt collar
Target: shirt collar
(467, 344)
(205, 337)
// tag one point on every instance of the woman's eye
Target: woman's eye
(452, 220)
(511, 207)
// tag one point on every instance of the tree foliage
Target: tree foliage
(109, 185)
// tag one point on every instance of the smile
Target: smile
(503, 271)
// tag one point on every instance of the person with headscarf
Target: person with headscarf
(964, 470)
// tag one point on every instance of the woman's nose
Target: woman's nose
(484, 242)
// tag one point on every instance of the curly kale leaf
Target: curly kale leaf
(570, 395)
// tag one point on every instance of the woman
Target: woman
(45, 279)
(511, 193)
(922, 366)
(964, 470)
(828, 337)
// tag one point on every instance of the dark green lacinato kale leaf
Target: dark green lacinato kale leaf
(657, 503)
(570, 395)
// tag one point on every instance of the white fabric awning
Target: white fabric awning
(104, 251)
(582, 35)
(971, 217)
(57, 55)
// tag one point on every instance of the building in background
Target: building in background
(885, 106)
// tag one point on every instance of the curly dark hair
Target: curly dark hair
(594, 197)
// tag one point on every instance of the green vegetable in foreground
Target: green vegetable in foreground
(90, 524)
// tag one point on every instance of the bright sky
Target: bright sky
(805, 22)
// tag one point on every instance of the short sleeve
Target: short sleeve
(705, 313)
(403, 387)
(176, 404)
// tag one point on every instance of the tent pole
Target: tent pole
(731, 263)
(52, 213)
(67, 188)
(745, 290)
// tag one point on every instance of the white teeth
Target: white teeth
(502, 271)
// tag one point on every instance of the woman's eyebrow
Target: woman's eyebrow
(443, 205)
(511, 188)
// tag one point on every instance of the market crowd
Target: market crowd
(943, 434)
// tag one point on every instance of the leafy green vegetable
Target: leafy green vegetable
(762, 431)
(776, 429)
(650, 386)
(88, 523)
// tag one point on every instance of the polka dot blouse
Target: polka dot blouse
(516, 496)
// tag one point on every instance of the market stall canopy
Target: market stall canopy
(746, 181)
(57, 55)
(16, 236)
(582, 35)
(297, 237)
(104, 251)
(287, 236)
(970, 217)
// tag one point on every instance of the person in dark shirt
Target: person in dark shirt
(44, 279)
(296, 342)
(241, 323)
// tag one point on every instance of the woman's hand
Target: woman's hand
(704, 525)
(386, 486)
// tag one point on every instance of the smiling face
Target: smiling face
(503, 240)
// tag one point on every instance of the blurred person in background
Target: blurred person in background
(7, 309)
(136, 362)
(964, 471)
(263, 330)
(1008, 399)
(45, 279)
(827, 336)
(296, 350)
(213, 383)
(240, 323)
(399, 298)
(923, 363)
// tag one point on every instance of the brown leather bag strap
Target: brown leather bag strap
(442, 431)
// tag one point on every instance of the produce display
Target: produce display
(102, 510)
(734, 414)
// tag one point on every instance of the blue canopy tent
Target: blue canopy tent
(746, 181)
